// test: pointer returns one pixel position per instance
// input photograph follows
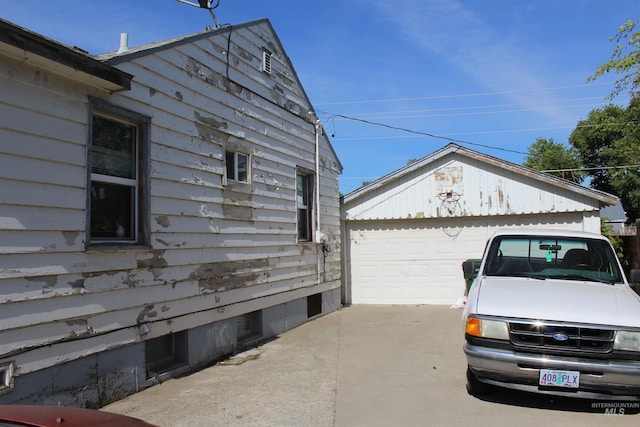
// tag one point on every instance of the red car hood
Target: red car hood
(55, 416)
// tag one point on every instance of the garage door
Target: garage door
(417, 261)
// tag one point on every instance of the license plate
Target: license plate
(555, 378)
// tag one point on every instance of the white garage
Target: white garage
(407, 234)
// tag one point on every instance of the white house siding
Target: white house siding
(216, 251)
(407, 234)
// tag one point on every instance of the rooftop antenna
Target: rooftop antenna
(206, 4)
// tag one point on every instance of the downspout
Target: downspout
(319, 238)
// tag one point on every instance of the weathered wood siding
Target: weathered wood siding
(216, 251)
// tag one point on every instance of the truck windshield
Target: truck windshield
(552, 257)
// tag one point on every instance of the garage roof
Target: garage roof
(479, 183)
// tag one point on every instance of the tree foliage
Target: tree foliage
(625, 60)
(608, 143)
(548, 155)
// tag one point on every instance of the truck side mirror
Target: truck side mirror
(470, 267)
(470, 270)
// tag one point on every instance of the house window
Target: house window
(314, 305)
(303, 206)
(118, 196)
(165, 353)
(249, 327)
(237, 166)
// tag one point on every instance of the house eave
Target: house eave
(29, 47)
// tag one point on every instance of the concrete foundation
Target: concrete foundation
(109, 376)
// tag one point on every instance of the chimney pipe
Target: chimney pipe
(124, 43)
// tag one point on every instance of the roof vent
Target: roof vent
(124, 43)
(266, 61)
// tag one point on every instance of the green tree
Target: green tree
(608, 142)
(625, 60)
(548, 155)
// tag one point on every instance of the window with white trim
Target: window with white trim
(117, 191)
(304, 205)
(237, 165)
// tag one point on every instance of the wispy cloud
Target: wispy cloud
(486, 54)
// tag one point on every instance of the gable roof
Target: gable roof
(25, 45)
(605, 199)
(275, 47)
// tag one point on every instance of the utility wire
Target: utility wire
(595, 168)
(446, 138)
(469, 113)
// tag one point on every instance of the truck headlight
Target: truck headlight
(484, 328)
(627, 340)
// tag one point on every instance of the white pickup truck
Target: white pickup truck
(552, 312)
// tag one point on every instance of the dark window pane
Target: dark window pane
(242, 167)
(161, 349)
(303, 224)
(231, 170)
(113, 149)
(301, 190)
(112, 213)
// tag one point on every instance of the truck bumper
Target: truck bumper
(599, 379)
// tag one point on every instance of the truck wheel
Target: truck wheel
(475, 387)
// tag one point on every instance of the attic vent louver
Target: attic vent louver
(266, 61)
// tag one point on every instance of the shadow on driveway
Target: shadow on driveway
(559, 403)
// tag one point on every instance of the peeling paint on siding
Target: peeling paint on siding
(146, 313)
(171, 244)
(163, 220)
(229, 275)
(46, 281)
(70, 237)
(210, 121)
(78, 322)
(155, 264)
(244, 54)
(77, 285)
(156, 261)
(237, 205)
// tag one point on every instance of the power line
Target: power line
(486, 132)
(425, 134)
(595, 168)
(471, 113)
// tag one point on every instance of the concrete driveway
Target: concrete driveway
(360, 366)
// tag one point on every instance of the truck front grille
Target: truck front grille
(550, 337)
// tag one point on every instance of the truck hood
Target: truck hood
(559, 300)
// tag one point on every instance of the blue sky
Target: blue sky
(496, 74)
